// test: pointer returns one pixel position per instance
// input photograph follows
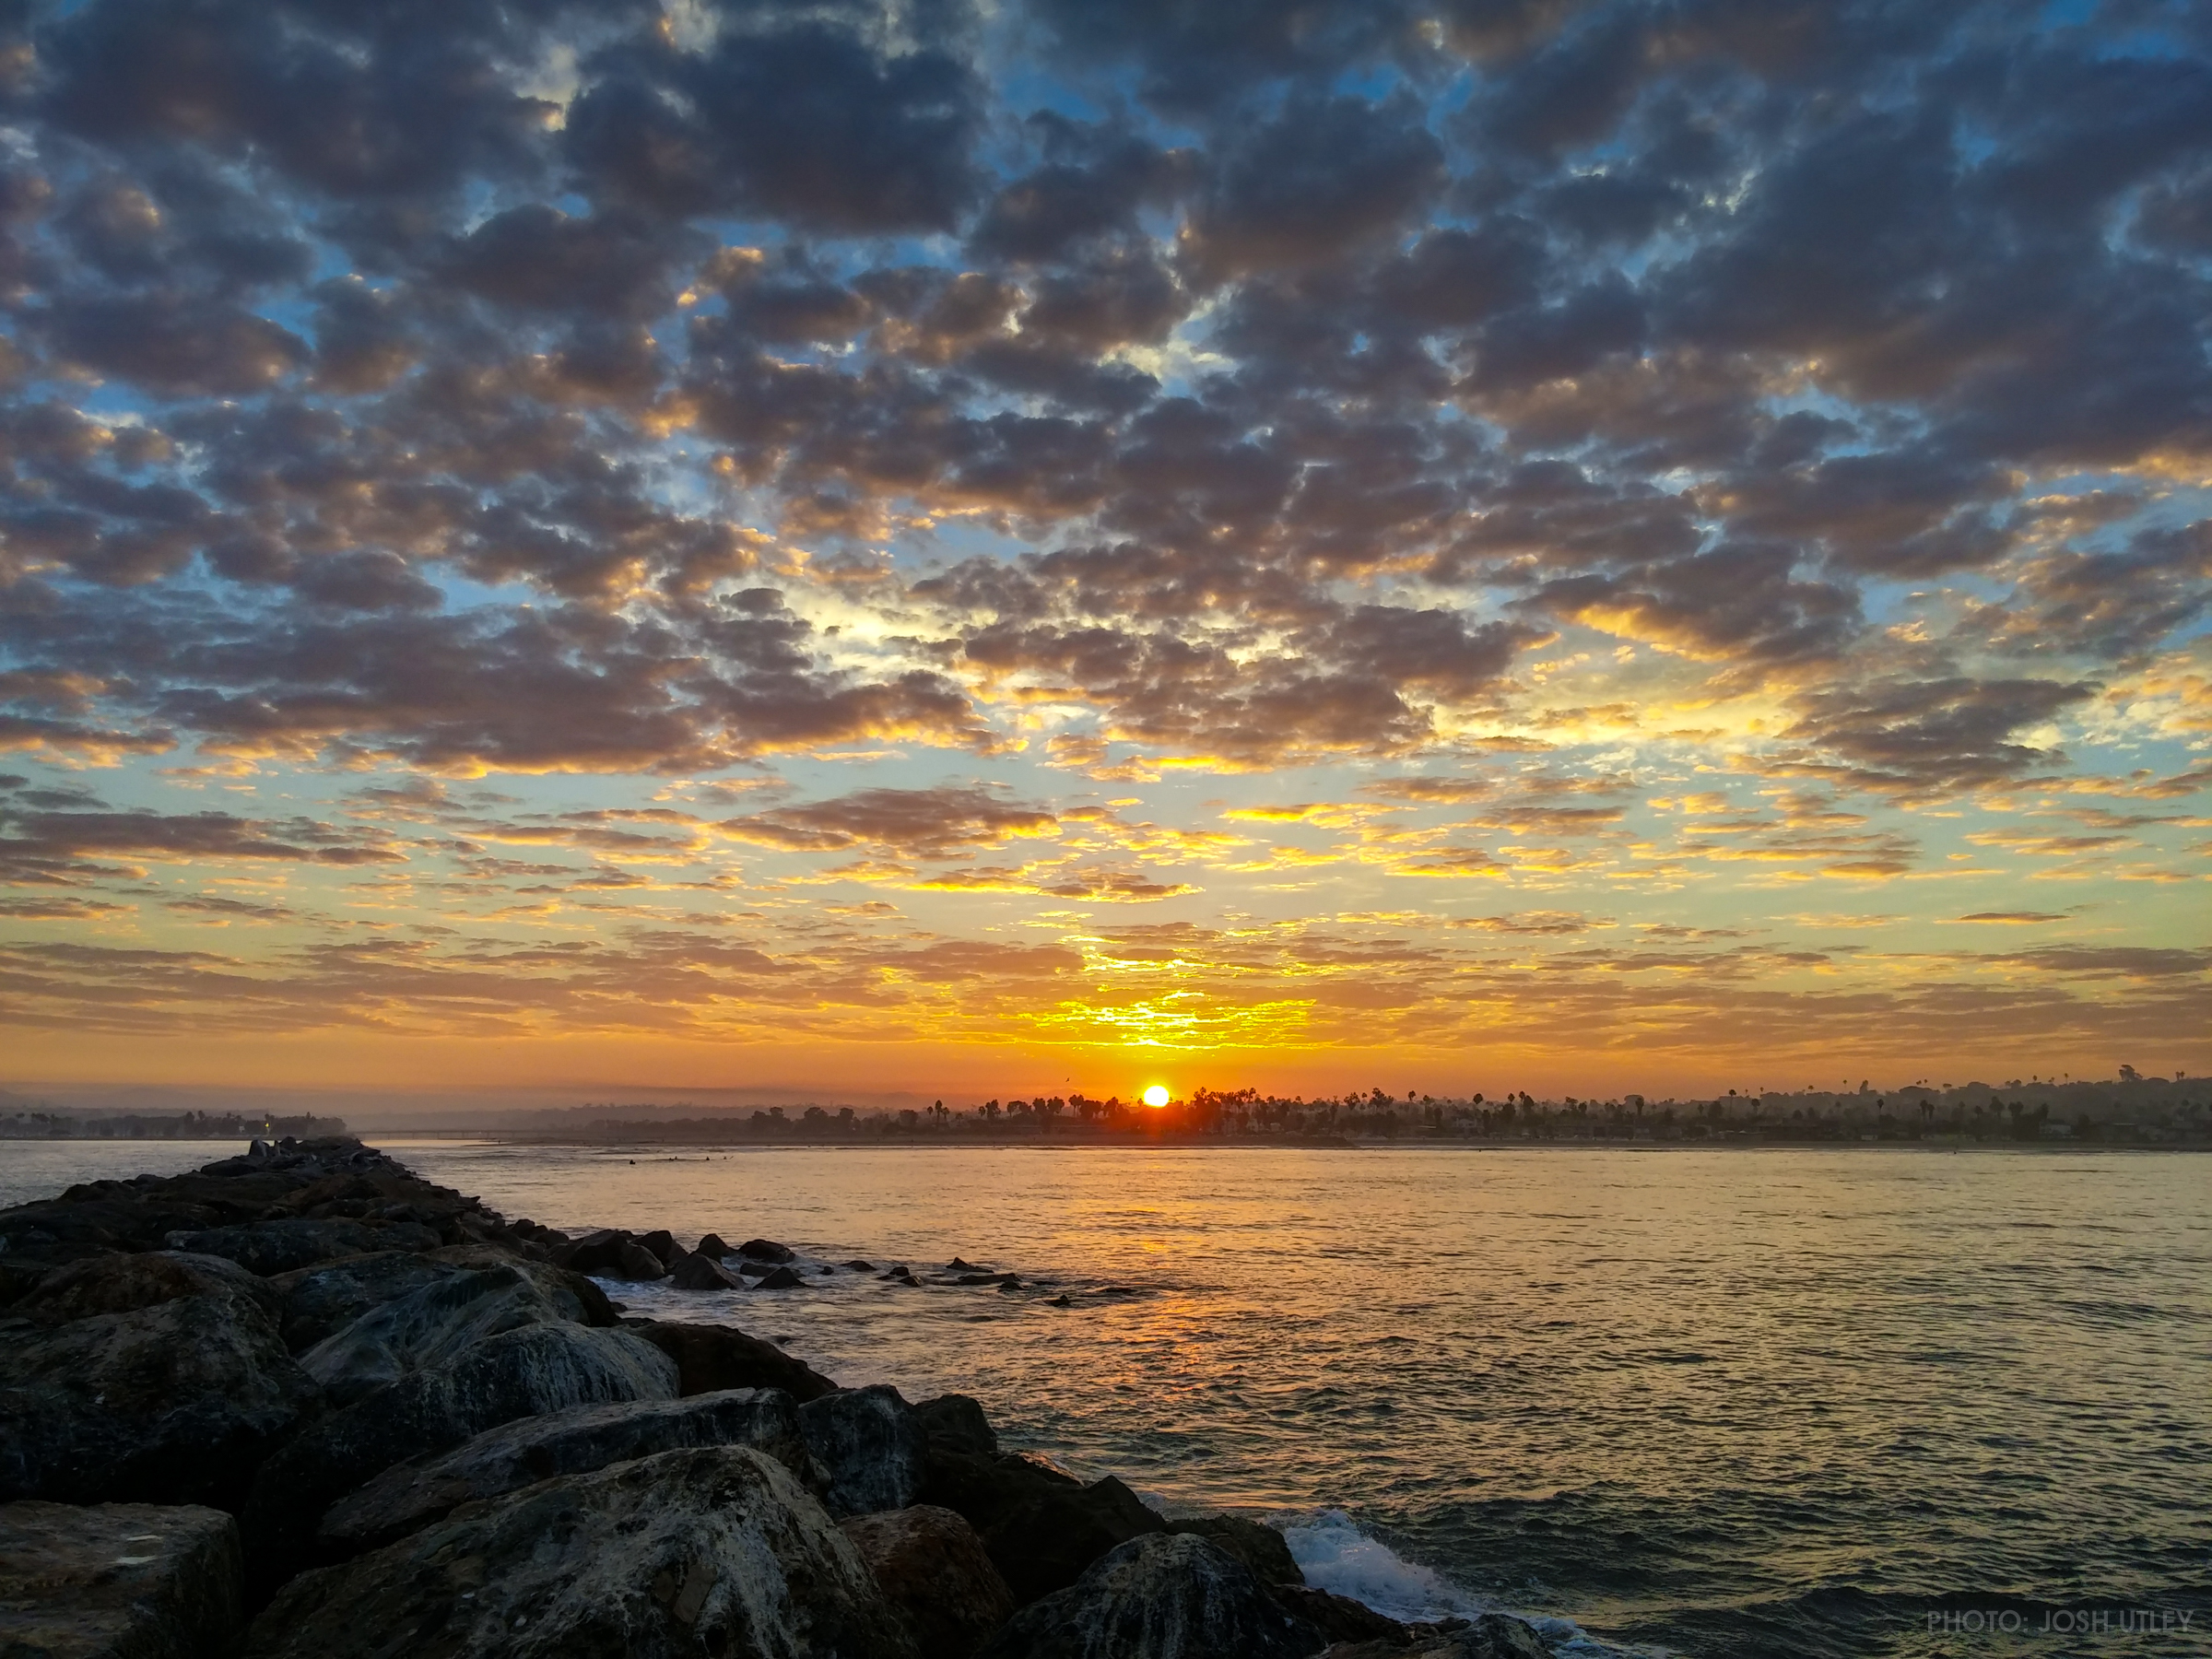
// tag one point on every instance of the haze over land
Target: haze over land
(855, 551)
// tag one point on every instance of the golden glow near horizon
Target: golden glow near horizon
(1157, 1095)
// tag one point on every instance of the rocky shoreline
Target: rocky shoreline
(304, 1404)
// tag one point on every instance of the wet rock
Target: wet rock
(1042, 1527)
(956, 1423)
(1492, 1636)
(869, 1446)
(701, 1272)
(593, 1252)
(857, 1265)
(661, 1243)
(714, 1551)
(130, 1580)
(957, 1266)
(612, 1253)
(1259, 1548)
(169, 1403)
(987, 1278)
(319, 1302)
(1338, 1618)
(413, 1495)
(1061, 1300)
(766, 1250)
(711, 1357)
(934, 1569)
(427, 1327)
(780, 1278)
(1167, 1597)
(518, 1373)
(270, 1248)
(712, 1245)
(636, 1262)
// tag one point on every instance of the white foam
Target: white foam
(1337, 1554)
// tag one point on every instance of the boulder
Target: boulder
(956, 1423)
(270, 1248)
(1338, 1618)
(118, 1581)
(1042, 1528)
(593, 1252)
(1259, 1548)
(778, 1278)
(766, 1250)
(869, 1446)
(712, 1245)
(612, 1254)
(933, 1568)
(573, 1293)
(519, 1373)
(172, 1402)
(1492, 1636)
(703, 1272)
(412, 1495)
(321, 1301)
(124, 1284)
(1165, 1596)
(710, 1358)
(634, 1262)
(711, 1551)
(426, 1327)
(661, 1243)
(857, 1265)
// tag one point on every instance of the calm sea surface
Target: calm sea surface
(1716, 1403)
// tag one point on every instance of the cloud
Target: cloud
(922, 823)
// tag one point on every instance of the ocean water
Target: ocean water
(1744, 1402)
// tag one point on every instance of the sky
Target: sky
(993, 549)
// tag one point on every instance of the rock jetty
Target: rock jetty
(303, 1404)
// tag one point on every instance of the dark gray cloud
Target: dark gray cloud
(450, 383)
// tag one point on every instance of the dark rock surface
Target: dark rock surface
(1338, 1618)
(1043, 1528)
(1259, 1548)
(712, 1245)
(125, 1284)
(518, 1373)
(427, 1327)
(1165, 1596)
(574, 1294)
(314, 1179)
(778, 1278)
(956, 1422)
(1492, 1636)
(612, 1254)
(412, 1495)
(134, 1580)
(171, 1402)
(767, 1250)
(869, 1446)
(714, 1552)
(710, 1358)
(934, 1569)
(319, 1302)
(269, 1248)
(700, 1271)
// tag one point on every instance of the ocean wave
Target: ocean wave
(1337, 1554)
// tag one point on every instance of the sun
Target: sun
(1157, 1095)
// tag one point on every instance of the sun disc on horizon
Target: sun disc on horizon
(1157, 1095)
